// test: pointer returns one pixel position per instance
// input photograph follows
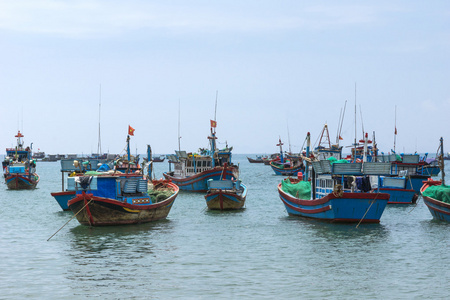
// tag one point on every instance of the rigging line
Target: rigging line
(368, 209)
(362, 122)
(70, 219)
(342, 121)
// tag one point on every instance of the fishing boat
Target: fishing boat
(225, 194)
(77, 167)
(160, 158)
(273, 157)
(286, 167)
(332, 195)
(258, 160)
(121, 198)
(436, 195)
(325, 149)
(193, 170)
(431, 167)
(19, 169)
(405, 179)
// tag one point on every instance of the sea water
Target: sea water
(257, 253)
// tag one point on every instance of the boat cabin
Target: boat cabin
(129, 188)
(346, 177)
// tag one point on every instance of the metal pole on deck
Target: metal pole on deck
(308, 145)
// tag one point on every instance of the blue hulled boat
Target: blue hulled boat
(436, 194)
(225, 194)
(405, 179)
(192, 171)
(286, 167)
(19, 169)
(120, 198)
(76, 167)
(333, 195)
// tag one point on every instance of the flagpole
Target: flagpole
(395, 132)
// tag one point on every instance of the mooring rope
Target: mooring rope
(373, 201)
(70, 219)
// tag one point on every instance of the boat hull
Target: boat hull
(225, 200)
(63, 197)
(286, 171)
(438, 209)
(98, 211)
(349, 208)
(21, 181)
(198, 182)
(400, 196)
(255, 161)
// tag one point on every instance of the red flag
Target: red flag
(340, 137)
(395, 130)
(130, 130)
(213, 124)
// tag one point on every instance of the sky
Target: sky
(278, 69)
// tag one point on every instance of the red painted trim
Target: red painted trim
(379, 196)
(307, 211)
(395, 189)
(63, 193)
(437, 203)
(91, 220)
(197, 177)
(127, 205)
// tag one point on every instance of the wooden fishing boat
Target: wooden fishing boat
(93, 167)
(331, 196)
(121, 198)
(192, 171)
(436, 194)
(19, 169)
(287, 167)
(116, 204)
(160, 158)
(225, 194)
(439, 209)
(257, 160)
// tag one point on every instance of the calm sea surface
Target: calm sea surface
(258, 253)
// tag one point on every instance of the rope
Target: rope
(337, 191)
(70, 219)
(373, 201)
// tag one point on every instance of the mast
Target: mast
(395, 132)
(213, 133)
(179, 136)
(308, 145)
(99, 146)
(149, 160)
(289, 138)
(354, 152)
(441, 161)
(281, 149)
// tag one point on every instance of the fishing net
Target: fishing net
(301, 190)
(438, 192)
(333, 160)
(159, 195)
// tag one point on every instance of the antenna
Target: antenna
(341, 123)
(215, 111)
(354, 153)
(179, 136)
(289, 138)
(395, 132)
(99, 146)
(362, 122)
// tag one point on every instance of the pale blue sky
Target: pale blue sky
(273, 63)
